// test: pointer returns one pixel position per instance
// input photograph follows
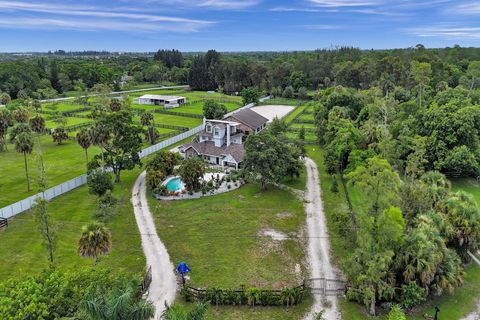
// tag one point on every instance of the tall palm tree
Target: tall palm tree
(85, 141)
(96, 241)
(24, 144)
(147, 119)
(118, 304)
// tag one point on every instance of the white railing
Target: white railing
(26, 204)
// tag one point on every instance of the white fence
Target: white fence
(26, 204)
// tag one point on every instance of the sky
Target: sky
(229, 25)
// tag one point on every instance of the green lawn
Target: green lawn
(70, 121)
(23, 254)
(62, 162)
(219, 237)
(305, 125)
(285, 101)
(168, 119)
(64, 106)
(293, 115)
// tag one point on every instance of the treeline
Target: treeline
(231, 72)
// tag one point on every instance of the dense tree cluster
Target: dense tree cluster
(412, 231)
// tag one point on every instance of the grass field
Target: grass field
(23, 254)
(168, 119)
(70, 121)
(62, 162)
(220, 238)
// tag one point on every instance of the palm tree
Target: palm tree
(96, 241)
(148, 121)
(177, 312)
(6, 121)
(387, 83)
(99, 135)
(20, 115)
(119, 304)
(37, 124)
(24, 144)
(84, 140)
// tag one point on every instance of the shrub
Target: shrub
(412, 295)
(334, 186)
(161, 190)
(99, 182)
(288, 92)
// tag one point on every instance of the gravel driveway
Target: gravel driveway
(318, 243)
(164, 284)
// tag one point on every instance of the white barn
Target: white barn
(159, 100)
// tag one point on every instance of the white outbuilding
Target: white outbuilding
(159, 100)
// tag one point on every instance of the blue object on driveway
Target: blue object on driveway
(183, 268)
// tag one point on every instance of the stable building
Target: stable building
(160, 100)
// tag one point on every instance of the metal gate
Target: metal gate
(325, 286)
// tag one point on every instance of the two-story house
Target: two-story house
(220, 143)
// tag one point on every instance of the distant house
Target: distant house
(220, 143)
(250, 121)
(159, 100)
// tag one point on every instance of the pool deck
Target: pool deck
(196, 195)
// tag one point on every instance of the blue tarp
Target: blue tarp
(183, 268)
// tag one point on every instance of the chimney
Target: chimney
(228, 134)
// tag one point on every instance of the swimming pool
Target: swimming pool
(175, 184)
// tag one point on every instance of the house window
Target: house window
(209, 128)
(217, 131)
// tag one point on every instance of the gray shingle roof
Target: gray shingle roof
(237, 151)
(249, 118)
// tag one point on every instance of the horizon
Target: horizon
(236, 26)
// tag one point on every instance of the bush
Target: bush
(288, 92)
(161, 190)
(302, 93)
(99, 182)
(412, 295)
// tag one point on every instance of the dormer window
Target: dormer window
(217, 132)
(209, 128)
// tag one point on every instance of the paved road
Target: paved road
(114, 93)
(318, 243)
(164, 284)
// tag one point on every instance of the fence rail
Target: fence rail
(26, 204)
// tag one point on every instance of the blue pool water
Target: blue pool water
(174, 185)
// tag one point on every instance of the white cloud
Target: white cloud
(322, 27)
(117, 20)
(208, 4)
(228, 4)
(466, 8)
(446, 32)
(343, 3)
(93, 25)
